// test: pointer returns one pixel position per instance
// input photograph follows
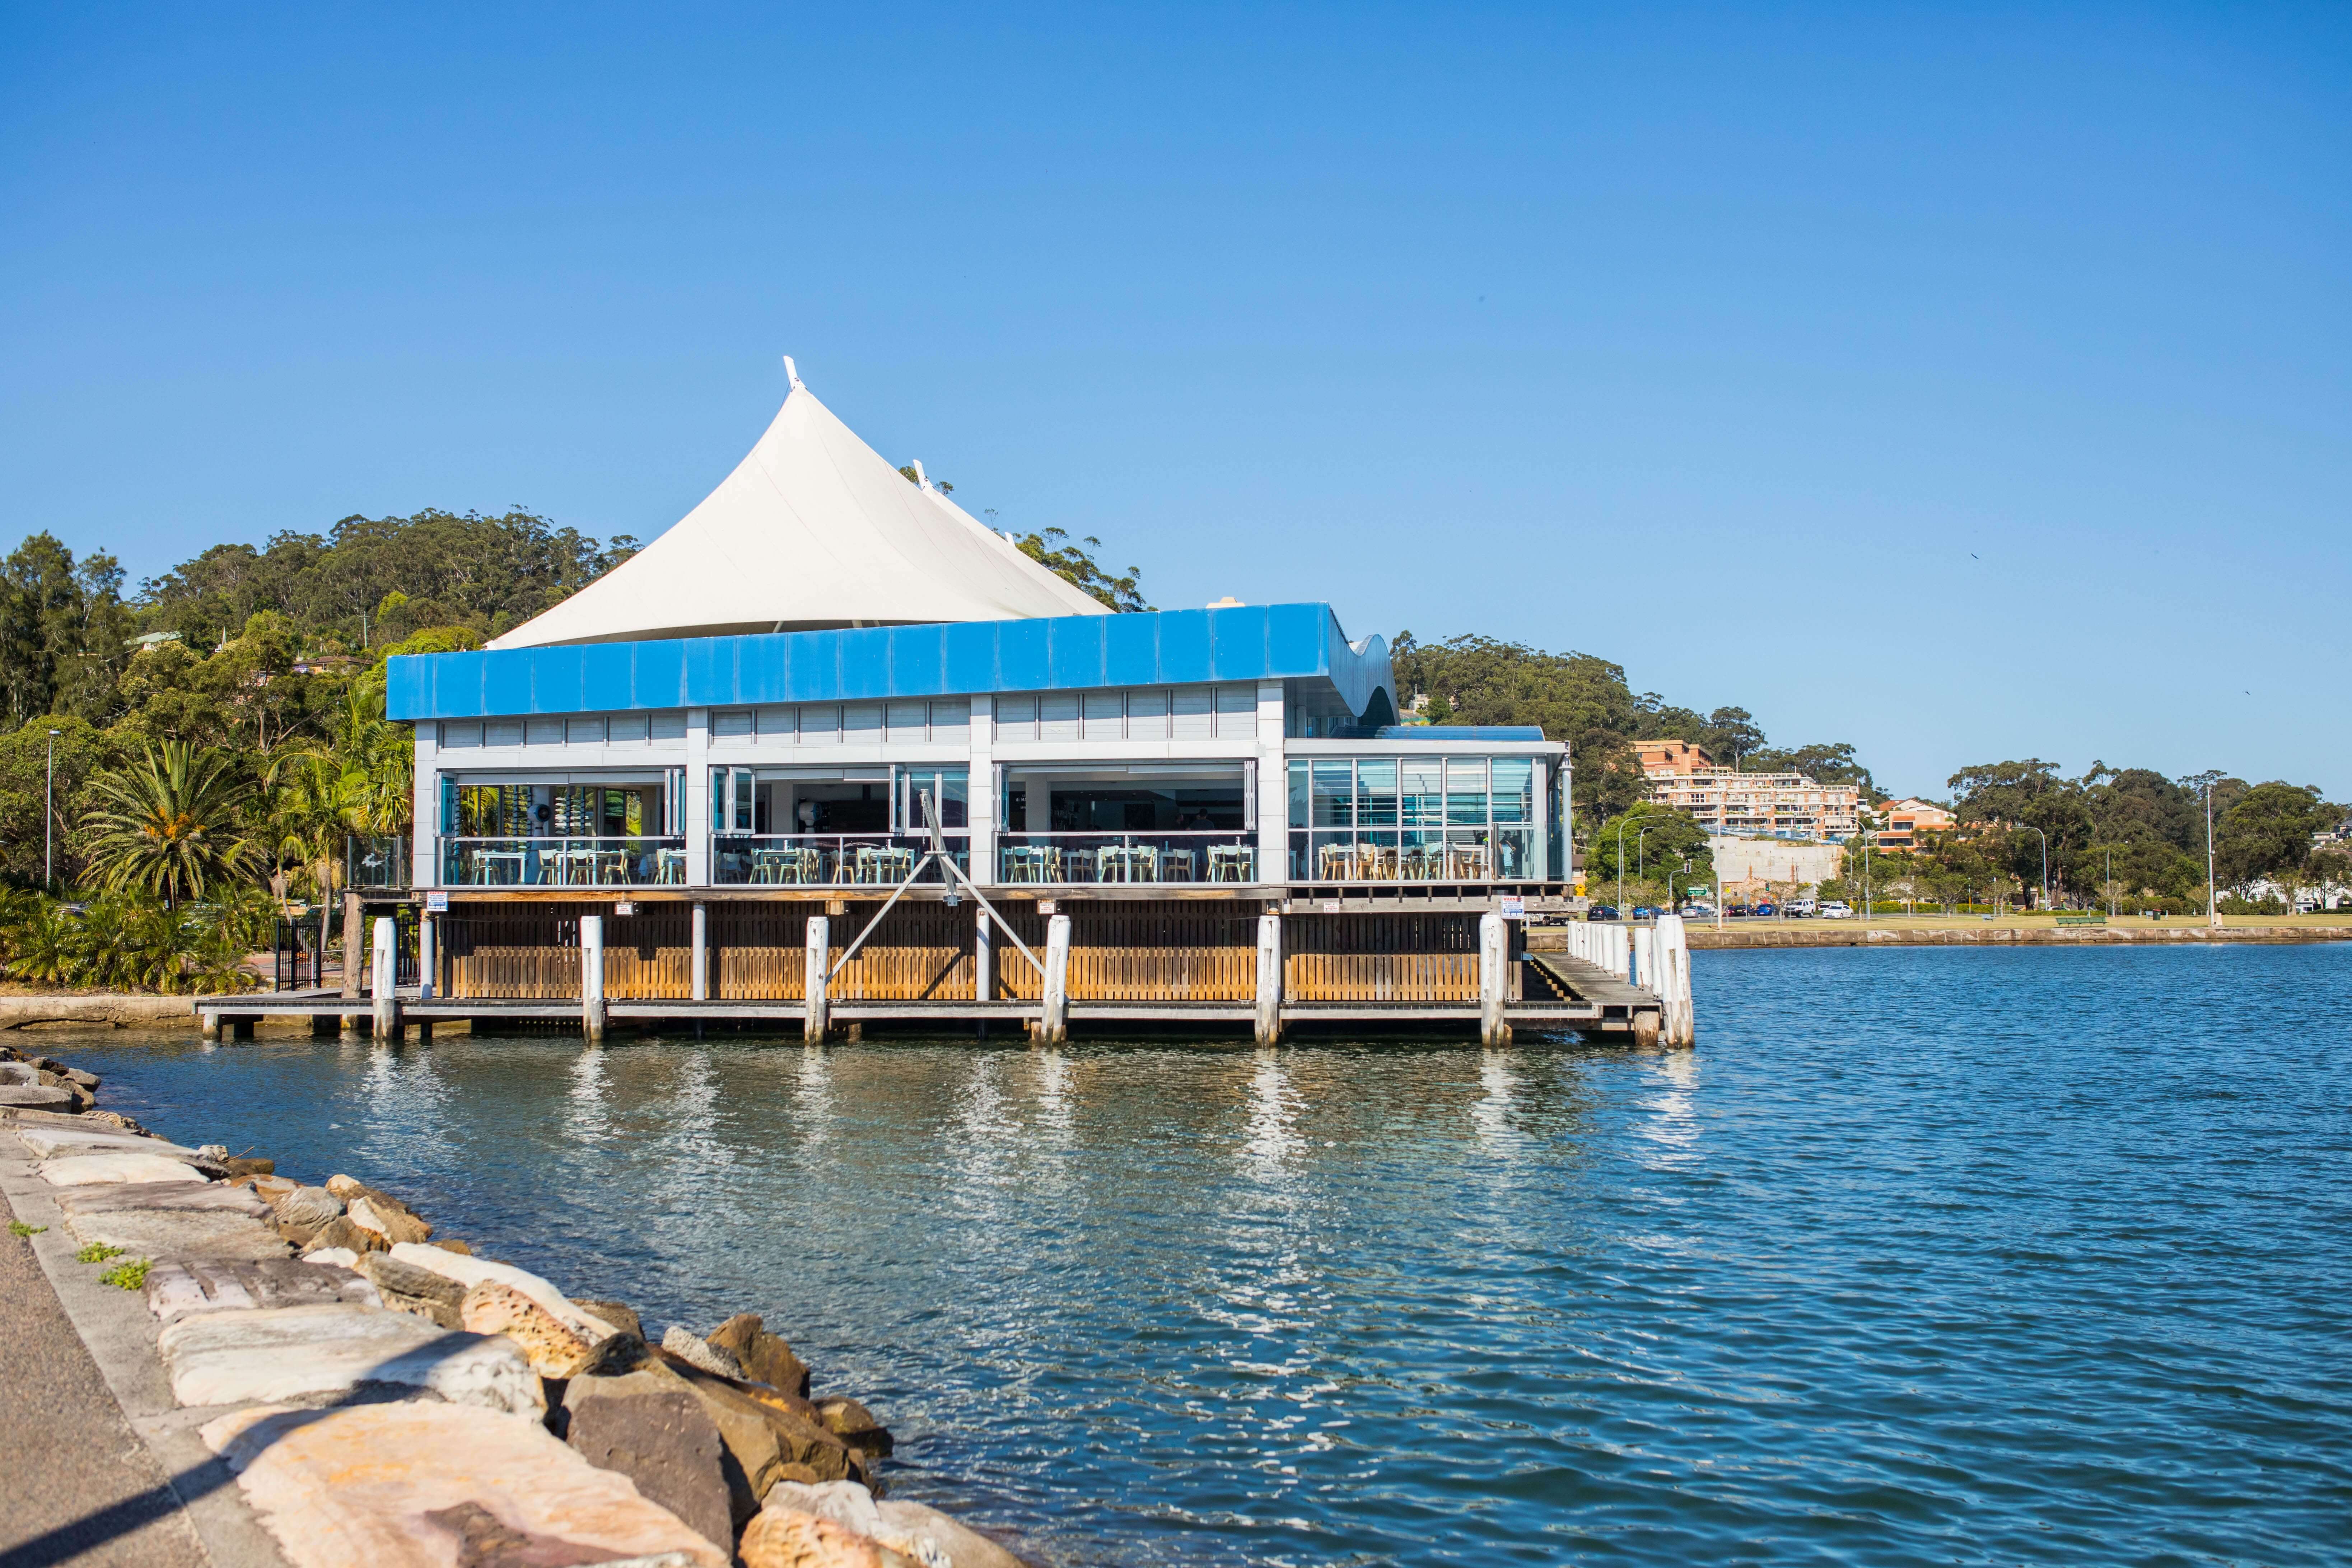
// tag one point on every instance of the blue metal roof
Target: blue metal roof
(1450, 733)
(1162, 647)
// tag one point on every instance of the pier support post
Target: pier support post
(1675, 977)
(429, 932)
(591, 978)
(387, 980)
(820, 955)
(1269, 978)
(1054, 1027)
(348, 1023)
(701, 942)
(983, 958)
(211, 1024)
(1645, 958)
(1494, 967)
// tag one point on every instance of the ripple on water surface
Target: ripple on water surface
(1927, 1255)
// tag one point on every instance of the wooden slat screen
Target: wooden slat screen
(1177, 951)
(921, 953)
(759, 952)
(521, 952)
(1380, 958)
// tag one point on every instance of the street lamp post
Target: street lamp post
(2212, 902)
(49, 818)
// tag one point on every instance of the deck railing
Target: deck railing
(1187, 855)
(562, 862)
(1412, 855)
(827, 860)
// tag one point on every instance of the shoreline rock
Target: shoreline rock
(500, 1419)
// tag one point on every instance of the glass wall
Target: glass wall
(1417, 819)
(614, 833)
(837, 827)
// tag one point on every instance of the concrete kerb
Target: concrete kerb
(121, 1334)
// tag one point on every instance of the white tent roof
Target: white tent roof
(814, 528)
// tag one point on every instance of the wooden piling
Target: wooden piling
(817, 957)
(1269, 979)
(593, 1012)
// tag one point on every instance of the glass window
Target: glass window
(1514, 785)
(1466, 791)
(1335, 793)
(1376, 792)
(1420, 802)
(1298, 795)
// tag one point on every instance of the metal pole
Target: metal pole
(2212, 903)
(1621, 867)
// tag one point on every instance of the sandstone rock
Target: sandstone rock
(176, 1288)
(87, 1170)
(471, 1271)
(409, 1485)
(206, 1195)
(113, 1118)
(345, 1187)
(289, 1353)
(790, 1422)
(370, 1212)
(47, 1064)
(451, 1244)
(179, 1233)
(854, 1424)
(80, 1098)
(309, 1205)
(684, 1343)
(338, 1257)
(964, 1546)
(765, 1357)
(246, 1165)
(913, 1531)
(94, 1134)
(36, 1097)
(267, 1187)
(612, 1312)
(649, 1426)
(215, 1152)
(753, 1460)
(341, 1233)
(77, 1075)
(419, 1292)
(787, 1538)
(555, 1350)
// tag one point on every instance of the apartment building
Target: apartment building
(1906, 819)
(1747, 805)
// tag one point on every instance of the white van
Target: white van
(1800, 908)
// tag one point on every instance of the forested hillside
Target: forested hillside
(276, 653)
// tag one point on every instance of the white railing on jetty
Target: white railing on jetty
(1654, 955)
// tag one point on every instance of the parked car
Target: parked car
(1766, 912)
(1837, 909)
(1644, 912)
(1602, 913)
(1800, 908)
(1699, 912)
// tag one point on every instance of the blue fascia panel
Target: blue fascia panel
(1168, 647)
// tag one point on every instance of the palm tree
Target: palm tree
(308, 816)
(379, 763)
(171, 822)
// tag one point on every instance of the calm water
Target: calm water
(1922, 1257)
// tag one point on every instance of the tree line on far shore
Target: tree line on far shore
(261, 675)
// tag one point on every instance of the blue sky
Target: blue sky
(1966, 384)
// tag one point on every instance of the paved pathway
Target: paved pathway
(80, 1486)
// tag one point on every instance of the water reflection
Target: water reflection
(1356, 1304)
